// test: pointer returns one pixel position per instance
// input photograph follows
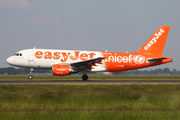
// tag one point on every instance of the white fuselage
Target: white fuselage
(45, 58)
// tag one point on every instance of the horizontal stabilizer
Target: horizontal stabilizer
(152, 60)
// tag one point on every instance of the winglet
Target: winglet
(155, 44)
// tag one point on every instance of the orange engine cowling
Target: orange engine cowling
(62, 70)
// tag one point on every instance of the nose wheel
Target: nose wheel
(30, 77)
(84, 77)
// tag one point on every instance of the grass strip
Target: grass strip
(91, 116)
(89, 97)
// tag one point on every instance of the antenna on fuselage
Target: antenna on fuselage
(34, 48)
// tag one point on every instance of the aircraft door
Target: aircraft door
(31, 56)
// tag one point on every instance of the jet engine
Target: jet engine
(62, 70)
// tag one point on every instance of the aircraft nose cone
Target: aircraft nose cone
(9, 60)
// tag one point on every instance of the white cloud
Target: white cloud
(45, 20)
(16, 4)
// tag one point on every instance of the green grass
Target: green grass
(89, 97)
(89, 101)
(92, 116)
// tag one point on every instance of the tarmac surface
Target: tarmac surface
(91, 81)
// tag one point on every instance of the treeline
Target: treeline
(23, 71)
(165, 71)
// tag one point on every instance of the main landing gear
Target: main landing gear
(85, 77)
(31, 72)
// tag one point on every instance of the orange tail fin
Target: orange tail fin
(155, 44)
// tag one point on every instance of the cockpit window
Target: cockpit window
(18, 54)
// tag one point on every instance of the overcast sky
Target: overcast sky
(97, 25)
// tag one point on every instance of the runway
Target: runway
(90, 81)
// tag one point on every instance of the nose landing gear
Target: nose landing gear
(31, 72)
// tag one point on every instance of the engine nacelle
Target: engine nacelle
(62, 70)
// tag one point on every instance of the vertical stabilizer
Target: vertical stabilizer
(155, 44)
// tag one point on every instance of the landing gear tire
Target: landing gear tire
(30, 77)
(84, 77)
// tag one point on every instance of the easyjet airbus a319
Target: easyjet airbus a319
(65, 62)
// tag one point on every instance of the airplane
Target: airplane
(66, 62)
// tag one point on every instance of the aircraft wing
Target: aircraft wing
(88, 63)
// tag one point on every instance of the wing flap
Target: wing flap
(87, 64)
